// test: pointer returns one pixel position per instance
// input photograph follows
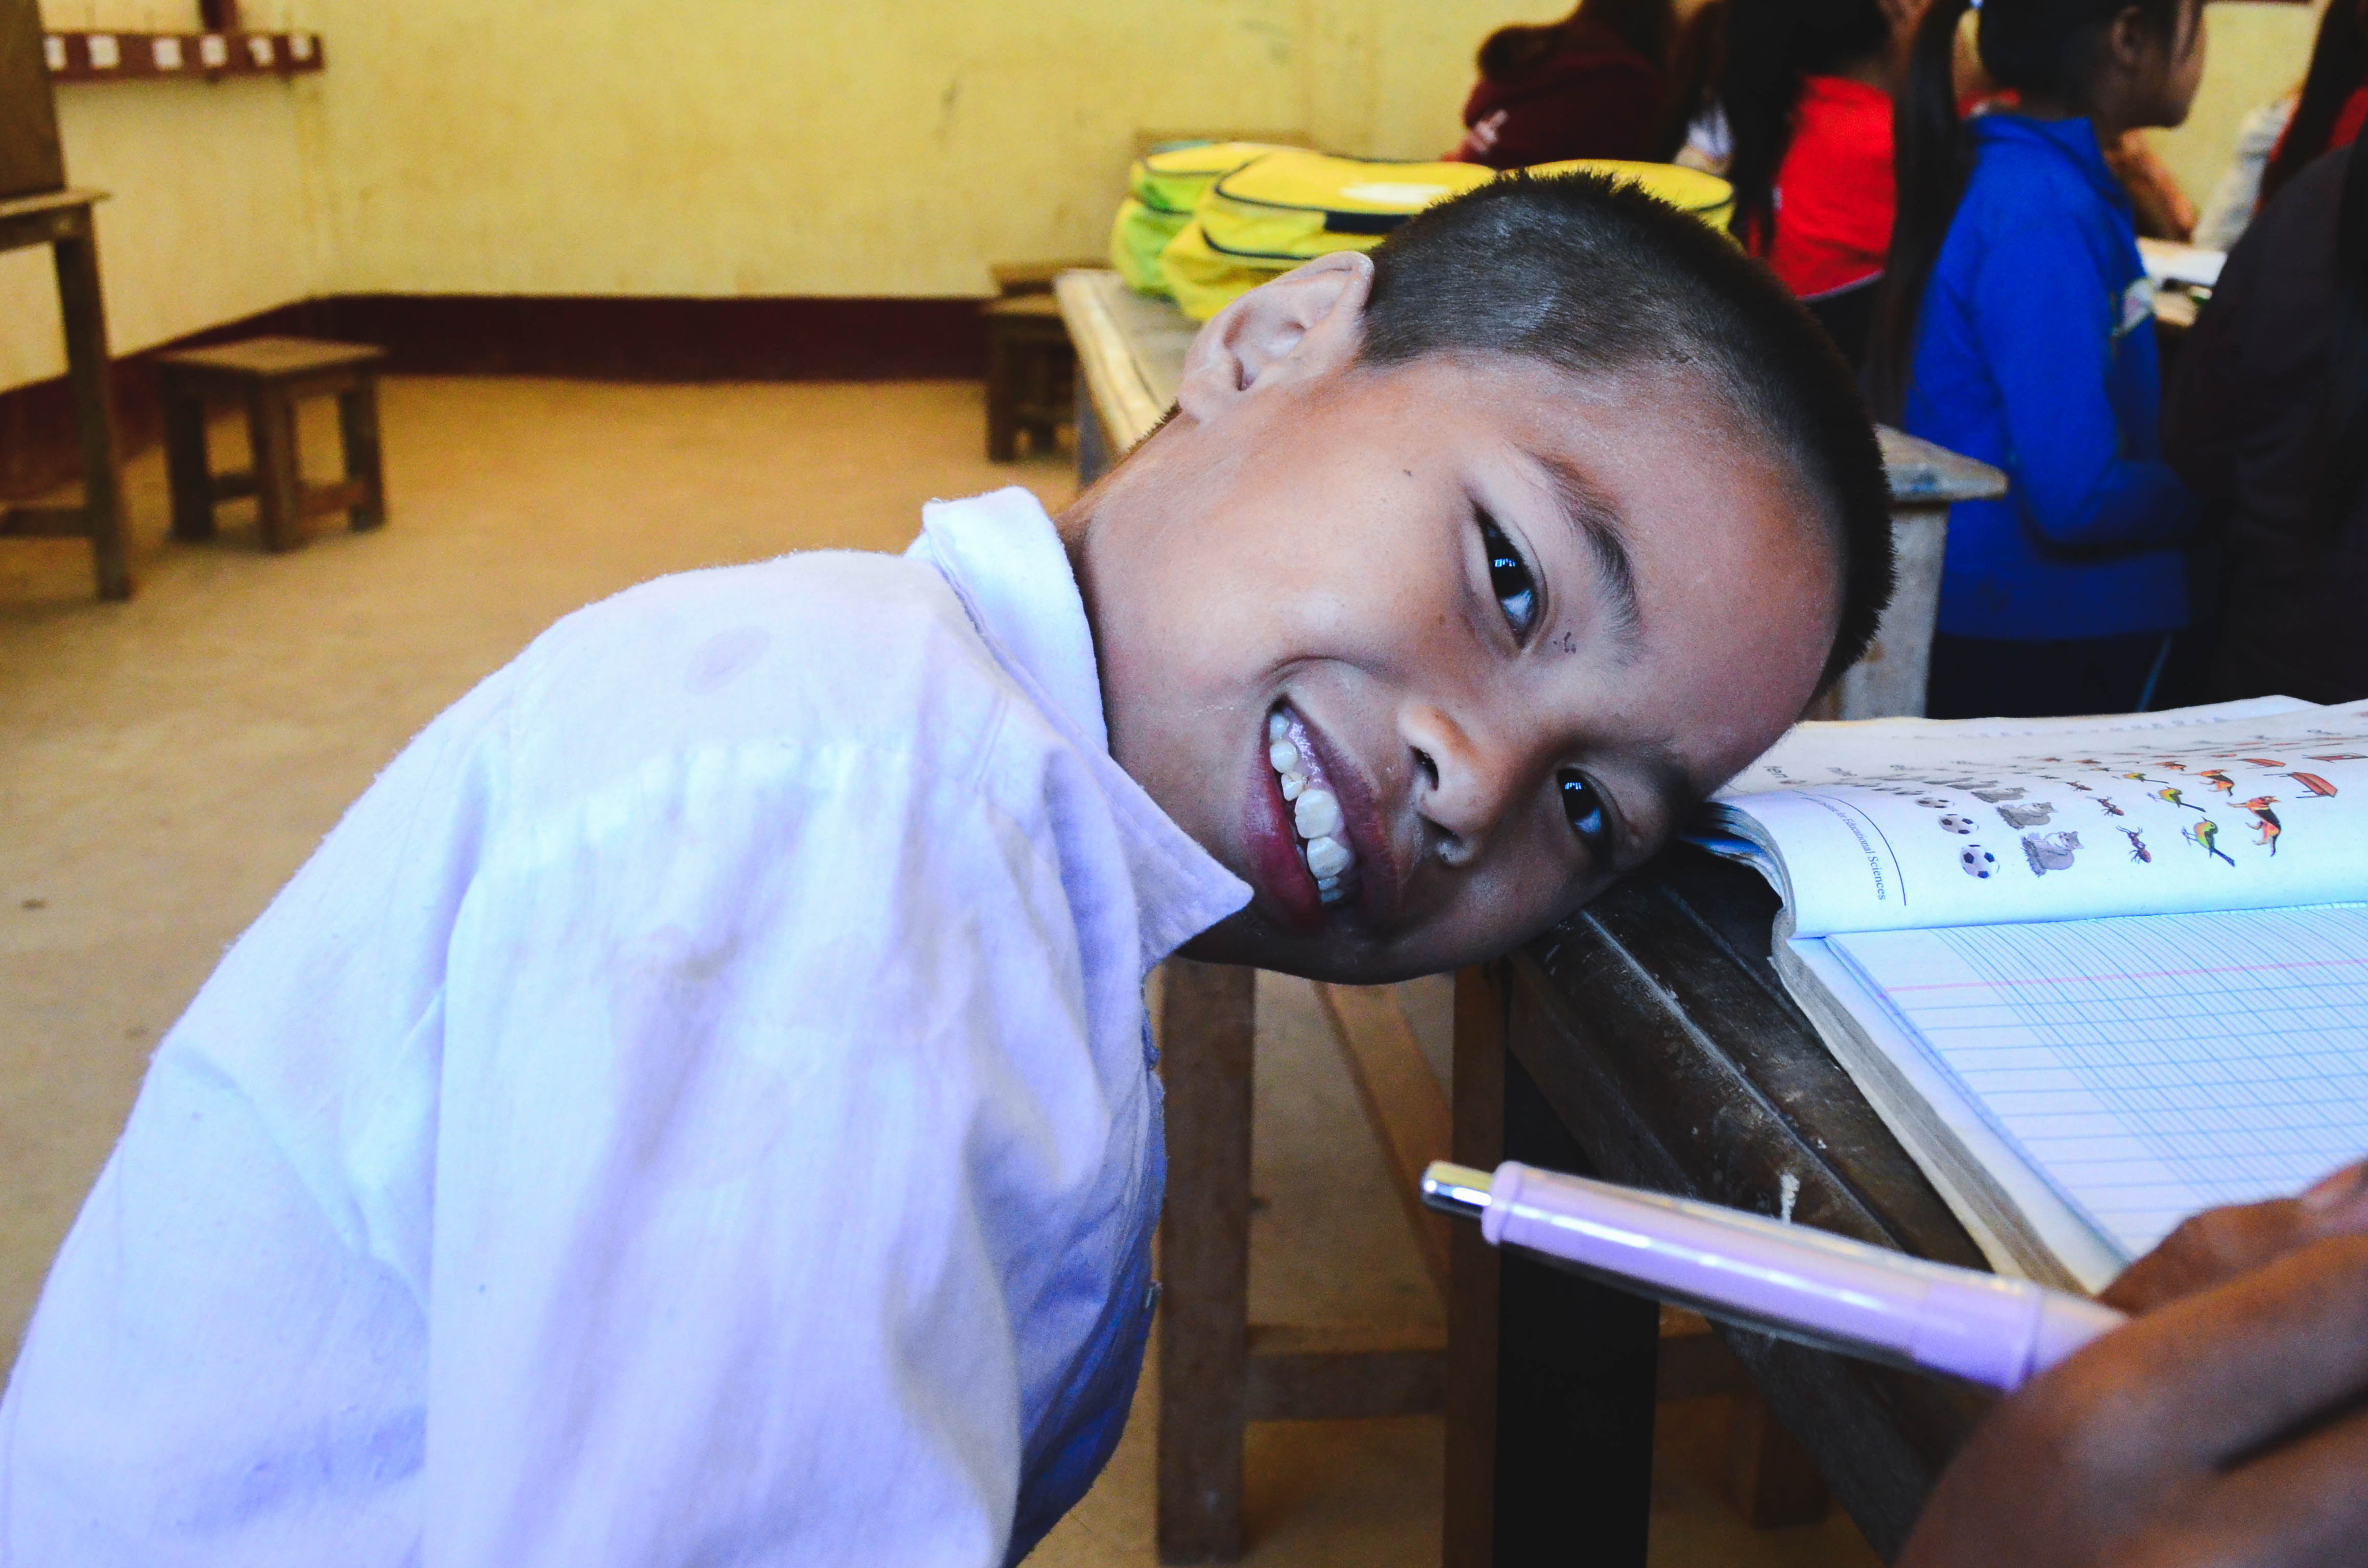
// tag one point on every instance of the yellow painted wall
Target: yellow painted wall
(724, 147)
(214, 215)
(752, 146)
(770, 147)
(2254, 53)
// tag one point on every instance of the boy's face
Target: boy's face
(1513, 623)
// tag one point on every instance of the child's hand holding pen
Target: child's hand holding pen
(2226, 1424)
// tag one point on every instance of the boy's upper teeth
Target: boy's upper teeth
(1316, 814)
(1315, 810)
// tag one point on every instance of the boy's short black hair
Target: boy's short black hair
(1595, 276)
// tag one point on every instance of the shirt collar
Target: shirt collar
(1005, 562)
(2074, 138)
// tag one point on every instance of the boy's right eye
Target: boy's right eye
(1509, 578)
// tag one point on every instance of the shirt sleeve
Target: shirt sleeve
(2044, 313)
(756, 1065)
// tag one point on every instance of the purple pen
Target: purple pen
(1789, 1280)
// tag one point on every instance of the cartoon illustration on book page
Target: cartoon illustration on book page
(2265, 819)
(2207, 834)
(2050, 851)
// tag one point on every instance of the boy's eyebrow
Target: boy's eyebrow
(1601, 526)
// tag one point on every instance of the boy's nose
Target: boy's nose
(1461, 783)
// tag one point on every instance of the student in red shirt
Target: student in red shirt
(1804, 87)
(1591, 86)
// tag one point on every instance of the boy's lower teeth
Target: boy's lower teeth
(1314, 810)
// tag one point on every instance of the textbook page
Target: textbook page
(2147, 1066)
(1898, 823)
(2013, 1213)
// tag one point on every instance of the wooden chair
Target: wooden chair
(36, 209)
(268, 376)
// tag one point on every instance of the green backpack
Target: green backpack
(1163, 186)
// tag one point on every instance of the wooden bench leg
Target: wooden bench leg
(357, 427)
(1002, 396)
(279, 484)
(1476, 1105)
(186, 466)
(85, 309)
(1577, 1365)
(1208, 1014)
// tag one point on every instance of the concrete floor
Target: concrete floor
(164, 765)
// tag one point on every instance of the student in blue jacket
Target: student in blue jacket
(2019, 330)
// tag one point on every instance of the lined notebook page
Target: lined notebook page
(2151, 1066)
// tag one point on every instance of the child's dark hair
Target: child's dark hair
(2338, 66)
(1770, 47)
(1596, 277)
(2044, 49)
(1696, 61)
(1510, 53)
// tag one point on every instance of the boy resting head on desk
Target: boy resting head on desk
(697, 1105)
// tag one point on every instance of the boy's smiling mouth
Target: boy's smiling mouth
(1317, 821)
(1316, 843)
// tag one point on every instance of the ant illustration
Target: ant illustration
(2111, 810)
(2138, 851)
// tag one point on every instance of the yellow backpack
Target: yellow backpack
(1269, 215)
(1163, 186)
(1260, 220)
(1691, 191)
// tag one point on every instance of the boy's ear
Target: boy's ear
(1306, 324)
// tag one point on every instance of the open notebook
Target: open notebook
(2096, 973)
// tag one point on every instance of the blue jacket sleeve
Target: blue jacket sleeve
(2043, 310)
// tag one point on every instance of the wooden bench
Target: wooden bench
(1030, 368)
(268, 376)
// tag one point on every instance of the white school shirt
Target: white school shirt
(695, 1108)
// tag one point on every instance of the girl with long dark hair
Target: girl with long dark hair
(1592, 86)
(1797, 98)
(2017, 327)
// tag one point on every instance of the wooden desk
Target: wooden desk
(1647, 1039)
(61, 220)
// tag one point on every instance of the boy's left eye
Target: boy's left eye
(1582, 806)
(1509, 578)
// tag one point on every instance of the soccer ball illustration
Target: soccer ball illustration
(1978, 862)
(1955, 824)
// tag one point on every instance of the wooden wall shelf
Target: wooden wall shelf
(123, 57)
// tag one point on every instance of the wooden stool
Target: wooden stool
(268, 375)
(1030, 374)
